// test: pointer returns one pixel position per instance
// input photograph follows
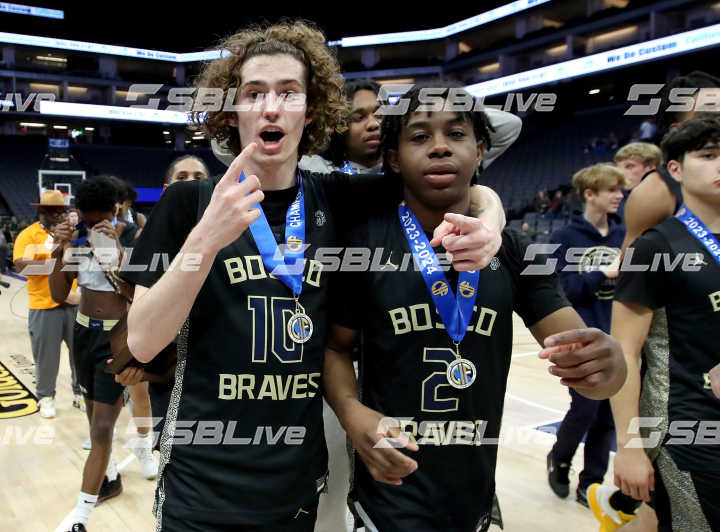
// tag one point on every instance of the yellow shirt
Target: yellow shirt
(36, 243)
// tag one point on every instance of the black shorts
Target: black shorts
(302, 521)
(91, 351)
(690, 498)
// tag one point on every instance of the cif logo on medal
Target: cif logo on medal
(466, 289)
(461, 373)
(440, 288)
(294, 243)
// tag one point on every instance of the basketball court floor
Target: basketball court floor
(41, 460)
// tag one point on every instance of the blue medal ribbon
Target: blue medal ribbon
(455, 312)
(288, 268)
(348, 169)
(698, 229)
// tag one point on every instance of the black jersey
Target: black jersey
(243, 440)
(684, 280)
(672, 185)
(405, 356)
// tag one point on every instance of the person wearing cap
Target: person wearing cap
(49, 323)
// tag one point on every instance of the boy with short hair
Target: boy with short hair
(439, 360)
(686, 490)
(589, 285)
(636, 160)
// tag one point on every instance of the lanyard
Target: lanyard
(288, 268)
(455, 312)
(698, 229)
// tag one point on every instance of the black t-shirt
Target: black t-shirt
(244, 440)
(686, 283)
(405, 356)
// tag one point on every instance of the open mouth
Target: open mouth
(271, 137)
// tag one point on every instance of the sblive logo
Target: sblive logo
(458, 100)
(680, 432)
(680, 99)
(17, 102)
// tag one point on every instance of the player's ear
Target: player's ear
(480, 152)
(675, 170)
(392, 158)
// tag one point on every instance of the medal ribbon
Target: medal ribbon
(289, 268)
(455, 312)
(348, 169)
(698, 229)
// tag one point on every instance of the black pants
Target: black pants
(301, 521)
(593, 418)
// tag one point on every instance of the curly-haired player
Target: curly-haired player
(243, 445)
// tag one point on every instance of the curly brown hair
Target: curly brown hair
(326, 103)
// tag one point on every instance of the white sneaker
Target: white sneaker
(47, 407)
(143, 451)
(87, 444)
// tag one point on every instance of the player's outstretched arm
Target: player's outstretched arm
(373, 435)
(634, 473)
(472, 241)
(586, 359)
(157, 313)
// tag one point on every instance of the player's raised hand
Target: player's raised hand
(106, 228)
(377, 439)
(231, 209)
(585, 359)
(469, 243)
(63, 232)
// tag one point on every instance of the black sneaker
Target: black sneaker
(78, 527)
(581, 496)
(109, 489)
(558, 476)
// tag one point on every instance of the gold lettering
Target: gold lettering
(431, 436)
(464, 433)
(235, 270)
(299, 384)
(313, 274)
(400, 321)
(268, 388)
(313, 383)
(415, 310)
(242, 387)
(20, 394)
(259, 266)
(30, 407)
(715, 300)
(487, 329)
(228, 386)
(283, 389)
